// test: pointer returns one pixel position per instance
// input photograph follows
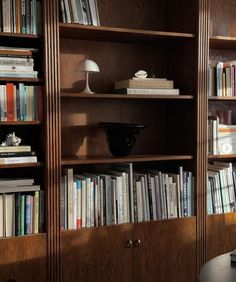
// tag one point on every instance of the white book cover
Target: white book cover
(101, 210)
(74, 11)
(79, 206)
(70, 198)
(18, 160)
(88, 202)
(9, 211)
(83, 203)
(92, 187)
(93, 12)
(74, 205)
(67, 11)
(139, 201)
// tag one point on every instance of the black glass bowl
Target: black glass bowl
(121, 137)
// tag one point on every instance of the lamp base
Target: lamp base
(87, 90)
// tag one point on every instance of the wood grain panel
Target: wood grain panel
(23, 259)
(222, 18)
(201, 136)
(221, 234)
(97, 254)
(167, 251)
(52, 140)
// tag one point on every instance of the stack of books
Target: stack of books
(80, 11)
(17, 62)
(21, 207)
(17, 155)
(20, 16)
(149, 86)
(20, 102)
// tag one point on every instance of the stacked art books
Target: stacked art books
(21, 207)
(12, 153)
(121, 195)
(17, 62)
(140, 84)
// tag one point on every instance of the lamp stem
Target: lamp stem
(87, 89)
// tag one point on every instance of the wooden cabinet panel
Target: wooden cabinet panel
(167, 251)
(97, 254)
(221, 234)
(23, 259)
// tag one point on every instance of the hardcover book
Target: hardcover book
(146, 91)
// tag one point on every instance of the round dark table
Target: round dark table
(219, 269)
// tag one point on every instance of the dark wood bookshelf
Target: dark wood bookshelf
(222, 42)
(19, 35)
(21, 79)
(232, 156)
(131, 158)
(221, 98)
(120, 96)
(36, 122)
(104, 33)
(38, 164)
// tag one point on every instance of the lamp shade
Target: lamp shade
(88, 66)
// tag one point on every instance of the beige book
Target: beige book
(144, 83)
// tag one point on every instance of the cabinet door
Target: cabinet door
(97, 254)
(166, 251)
(23, 259)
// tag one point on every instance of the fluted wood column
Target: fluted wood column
(53, 147)
(202, 115)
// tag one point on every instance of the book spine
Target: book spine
(22, 214)
(36, 213)
(27, 214)
(10, 101)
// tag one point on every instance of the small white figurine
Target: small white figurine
(11, 140)
(141, 74)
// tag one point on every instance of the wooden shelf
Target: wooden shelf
(103, 33)
(38, 164)
(19, 35)
(222, 42)
(36, 122)
(232, 156)
(120, 96)
(221, 98)
(21, 79)
(131, 158)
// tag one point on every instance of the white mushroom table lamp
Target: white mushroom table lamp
(87, 66)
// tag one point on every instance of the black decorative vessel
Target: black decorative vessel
(121, 137)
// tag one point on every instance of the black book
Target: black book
(16, 154)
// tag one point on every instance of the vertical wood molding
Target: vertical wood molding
(53, 146)
(202, 115)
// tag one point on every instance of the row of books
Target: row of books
(17, 155)
(17, 62)
(80, 11)
(146, 86)
(221, 189)
(20, 16)
(221, 137)
(21, 207)
(122, 195)
(20, 102)
(222, 79)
